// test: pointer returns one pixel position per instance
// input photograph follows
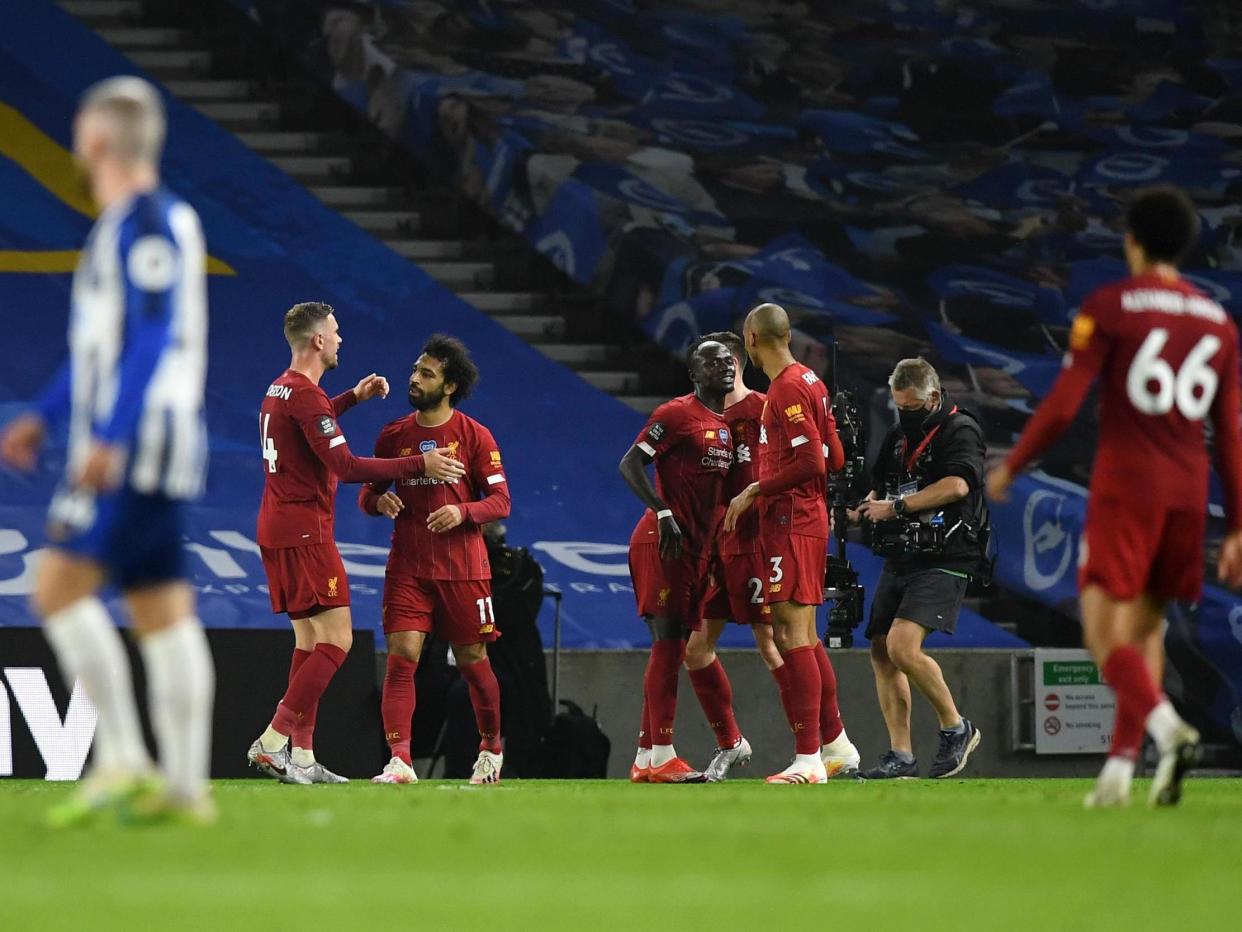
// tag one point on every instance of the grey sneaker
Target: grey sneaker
(725, 759)
(955, 750)
(275, 763)
(891, 767)
(317, 773)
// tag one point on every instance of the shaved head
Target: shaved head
(769, 323)
(766, 335)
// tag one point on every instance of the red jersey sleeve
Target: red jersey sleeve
(343, 402)
(662, 432)
(370, 493)
(794, 409)
(488, 472)
(1226, 419)
(316, 420)
(1090, 342)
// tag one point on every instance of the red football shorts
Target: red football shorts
(458, 610)
(670, 589)
(305, 580)
(795, 566)
(1128, 550)
(736, 590)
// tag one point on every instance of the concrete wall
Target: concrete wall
(979, 679)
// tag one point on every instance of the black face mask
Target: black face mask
(912, 421)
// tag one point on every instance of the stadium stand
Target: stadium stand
(683, 164)
(906, 177)
(272, 244)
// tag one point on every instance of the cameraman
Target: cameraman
(930, 473)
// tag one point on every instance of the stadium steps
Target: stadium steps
(428, 225)
(104, 13)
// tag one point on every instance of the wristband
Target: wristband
(666, 513)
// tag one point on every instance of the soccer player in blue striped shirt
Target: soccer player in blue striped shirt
(132, 391)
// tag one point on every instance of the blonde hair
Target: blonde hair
(915, 374)
(134, 115)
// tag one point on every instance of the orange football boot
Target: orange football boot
(675, 771)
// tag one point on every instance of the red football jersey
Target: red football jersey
(1168, 357)
(693, 451)
(797, 412)
(297, 428)
(743, 419)
(482, 494)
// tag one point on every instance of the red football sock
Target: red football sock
(781, 675)
(711, 685)
(660, 686)
(485, 697)
(304, 734)
(644, 728)
(804, 692)
(829, 712)
(302, 697)
(1126, 672)
(397, 705)
(1127, 734)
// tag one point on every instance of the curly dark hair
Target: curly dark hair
(1163, 221)
(459, 368)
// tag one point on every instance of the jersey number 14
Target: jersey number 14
(1154, 388)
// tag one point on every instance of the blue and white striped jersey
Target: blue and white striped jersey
(138, 345)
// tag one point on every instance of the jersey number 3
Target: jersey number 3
(1149, 371)
(269, 445)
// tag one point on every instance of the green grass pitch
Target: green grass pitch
(972, 854)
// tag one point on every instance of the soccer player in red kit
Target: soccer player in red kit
(798, 447)
(671, 546)
(736, 588)
(438, 576)
(304, 456)
(1167, 357)
(736, 593)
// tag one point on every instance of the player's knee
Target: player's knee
(405, 649)
(58, 583)
(782, 639)
(469, 653)
(344, 639)
(699, 654)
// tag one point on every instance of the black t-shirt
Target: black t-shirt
(957, 449)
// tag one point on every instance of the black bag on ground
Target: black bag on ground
(576, 747)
